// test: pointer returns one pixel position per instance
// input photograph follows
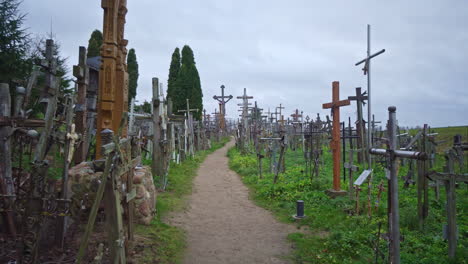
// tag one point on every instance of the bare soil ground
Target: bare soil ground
(223, 225)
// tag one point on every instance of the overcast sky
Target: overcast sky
(289, 52)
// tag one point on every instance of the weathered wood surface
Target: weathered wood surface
(7, 189)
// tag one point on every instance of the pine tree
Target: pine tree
(188, 84)
(14, 40)
(173, 73)
(94, 44)
(132, 66)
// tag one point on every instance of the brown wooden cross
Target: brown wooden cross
(335, 142)
(296, 115)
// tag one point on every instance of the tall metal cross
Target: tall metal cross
(335, 105)
(367, 72)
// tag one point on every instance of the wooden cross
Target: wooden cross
(280, 107)
(222, 106)
(296, 116)
(335, 142)
(393, 154)
(245, 102)
(81, 72)
(450, 178)
(360, 101)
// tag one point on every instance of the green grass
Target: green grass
(337, 234)
(163, 243)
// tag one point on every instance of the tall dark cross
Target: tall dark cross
(335, 105)
(245, 111)
(367, 71)
(360, 101)
(296, 116)
(81, 72)
(222, 106)
(280, 108)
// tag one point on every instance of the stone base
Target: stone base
(84, 183)
(334, 193)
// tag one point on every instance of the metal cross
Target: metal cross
(367, 72)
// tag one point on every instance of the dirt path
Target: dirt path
(223, 225)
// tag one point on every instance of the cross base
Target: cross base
(334, 193)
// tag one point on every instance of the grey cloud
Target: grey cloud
(290, 51)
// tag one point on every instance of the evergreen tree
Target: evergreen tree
(173, 73)
(14, 40)
(188, 85)
(132, 66)
(94, 44)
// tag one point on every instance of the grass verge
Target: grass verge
(160, 242)
(339, 235)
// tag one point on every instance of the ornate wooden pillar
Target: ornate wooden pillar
(113, 76)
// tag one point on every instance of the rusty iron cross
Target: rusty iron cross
(335, 105)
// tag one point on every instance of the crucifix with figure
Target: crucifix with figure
(335, 105)
(222, 106)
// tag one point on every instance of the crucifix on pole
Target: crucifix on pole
(335, 105)
(222, 106)
(367, 72)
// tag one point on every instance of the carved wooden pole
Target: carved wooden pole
(113, 76)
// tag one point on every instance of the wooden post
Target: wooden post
(81, 72)
(7, 188)
(157, 164)
(360, 98)
(71, 136)
(393, 154)
(335, 142)
(451, 209)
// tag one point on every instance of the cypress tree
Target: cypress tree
(188, 84)
(173, 73)
(14, 40)
(94, 44)
(132, 66)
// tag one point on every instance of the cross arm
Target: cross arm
(448, 176)
(370, 57)
(336, 104)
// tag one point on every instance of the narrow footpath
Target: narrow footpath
(223, 225)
